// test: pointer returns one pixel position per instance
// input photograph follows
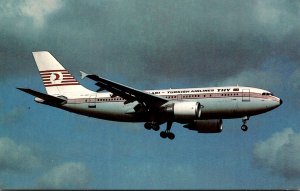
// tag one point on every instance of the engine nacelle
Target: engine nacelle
(206, 126)
(184, 110)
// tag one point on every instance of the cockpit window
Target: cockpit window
(267, 93)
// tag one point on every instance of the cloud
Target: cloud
(203, 41)
(158, 175)
(16, 157)
(295, 78)
(68, 175)
(37, 11)
(2, 184)
(280, 154)
(22, 24)
(272, 14)
(264, 73)
(12, 116)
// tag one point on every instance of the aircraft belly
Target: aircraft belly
(233, 107)
(115, 111)
(213, 108)
(219, 108)
(254, 107)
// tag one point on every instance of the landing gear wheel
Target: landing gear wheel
(151, 125)
(163, 134)
(147, 126)
(155, 127)
(167, 132)
(244, 127)
(171, 135)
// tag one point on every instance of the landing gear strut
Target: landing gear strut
(152, 125)
(244, 127)
(167, 132)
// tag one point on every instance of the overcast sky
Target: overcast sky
(150, 45)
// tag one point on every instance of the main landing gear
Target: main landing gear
(152, 125)
(244, 127)
(167, 132)
(163, 134)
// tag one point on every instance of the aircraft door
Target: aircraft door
(246, 95)
(179, 97)
(92, 101)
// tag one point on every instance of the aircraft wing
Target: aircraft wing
(45, 97)
(126, 92)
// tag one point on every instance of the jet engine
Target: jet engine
(184, 110)
(205, 126)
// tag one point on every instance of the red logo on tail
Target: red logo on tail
(56, 78)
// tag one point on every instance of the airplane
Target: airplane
(197, 109)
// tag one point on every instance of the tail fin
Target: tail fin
(57, 80)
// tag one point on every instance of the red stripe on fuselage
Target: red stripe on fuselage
(109, 99)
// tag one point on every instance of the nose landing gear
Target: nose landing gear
(244, 127)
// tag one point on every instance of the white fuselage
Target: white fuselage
(198, 109)
(217, 103)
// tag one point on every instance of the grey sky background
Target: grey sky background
(157, 38)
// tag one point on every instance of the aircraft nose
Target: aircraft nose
(280, 101)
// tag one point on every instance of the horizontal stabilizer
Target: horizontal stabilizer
(45, 97)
